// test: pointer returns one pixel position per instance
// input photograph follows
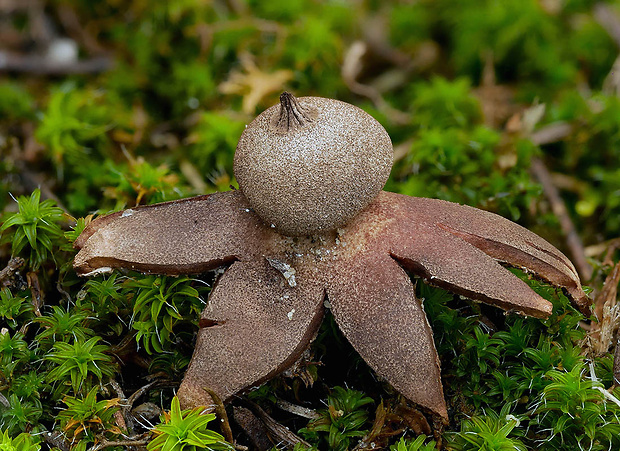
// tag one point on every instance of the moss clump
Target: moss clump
(461, 87)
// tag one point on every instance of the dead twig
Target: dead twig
(238, 7)
(611, 84)
(253, 428)
(551, 133)
(608, 247)
(607, 296)
(61, 290)
(351, 69)
(39, 65)
(613, 247)
(278, 432)
(401, 150)
(7, 275)
(374, 57)
(301, 411)
(56, 439)
(139, 440)
(617, 363)
(220, 411)
(374, 51)
(139, 392)
(35, 290)
(609, 20)
(73, 25)
(559, 209)
(602, 335)
(130, 414)
(12, 6)
(120, 416)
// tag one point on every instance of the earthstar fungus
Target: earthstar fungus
(311, 223)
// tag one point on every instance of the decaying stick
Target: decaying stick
(40, 65)
(6, 274)
(559, 209)
(220, 411)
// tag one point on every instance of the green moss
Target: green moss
(157, 126)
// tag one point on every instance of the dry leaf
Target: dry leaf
(254, 84)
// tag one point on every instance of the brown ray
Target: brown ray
(421, 231)
(255, 325)
(462, 268)
(179, 237)
(373, 302)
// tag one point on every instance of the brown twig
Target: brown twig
(128, 412)
(402, 149)
(39, 65)
(617, 363)
(56, 440)
(120, 415)
(375, 50)
(75, 29)
(613, 247)
(139, 392)
(351, 69)
(279, 433)
(35, 289)
(138, 441)
(608, 294)
(608, 247)
(253, 428)
(609, 20)
(295, 409)
(603, 334)
(8, 273)
(559, 209)
(220, 411)
(551, 133)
